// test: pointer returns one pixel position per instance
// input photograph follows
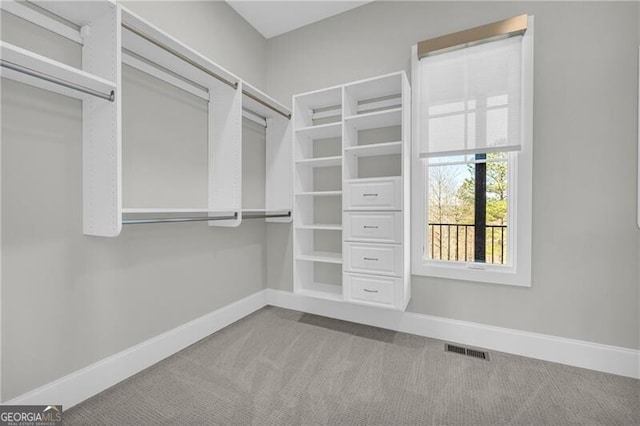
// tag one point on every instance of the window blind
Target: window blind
(471, 99)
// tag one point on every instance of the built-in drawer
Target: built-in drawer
(375, 227)
(373, 289)
(374, 194)
(383, 259)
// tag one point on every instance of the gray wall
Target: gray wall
(69, 300)
(212, 28)
(586, 242)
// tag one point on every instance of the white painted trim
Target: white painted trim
(520, 193)
(84, 383)
(577, 353)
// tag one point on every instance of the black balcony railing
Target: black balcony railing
(451, 241)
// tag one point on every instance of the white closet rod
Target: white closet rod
(203, 69)
(46, 77)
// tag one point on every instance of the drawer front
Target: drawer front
(373, 289)
(384, 259)
(382, 227)
(376, 194)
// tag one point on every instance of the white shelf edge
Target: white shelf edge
(373, 79)
(40, 19)
(370, 150)
(318, 92)
(363, 117)
(321, 256)
(319, 193)
(132, 19)
(321, 161)
(58, 70)
(319, 127)
(321, 227)
(259, 108)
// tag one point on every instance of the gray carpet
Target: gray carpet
(281, 367)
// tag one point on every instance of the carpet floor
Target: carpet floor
(282, 367)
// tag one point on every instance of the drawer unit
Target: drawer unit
(374, 194)
(375, 227)
(383, 259)
(373, 289)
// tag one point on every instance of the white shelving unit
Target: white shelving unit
(111, 35)
(317, 147)
(368, 123)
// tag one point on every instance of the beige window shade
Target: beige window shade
(485, 33)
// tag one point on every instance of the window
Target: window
(472, 162)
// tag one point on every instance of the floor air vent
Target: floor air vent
(475, 353)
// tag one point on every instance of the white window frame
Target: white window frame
(518, 270)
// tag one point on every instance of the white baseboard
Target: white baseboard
(577, 353)
(82, 384)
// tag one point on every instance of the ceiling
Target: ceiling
(272, 18)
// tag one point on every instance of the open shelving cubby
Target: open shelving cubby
(373, 128)
(318, 193)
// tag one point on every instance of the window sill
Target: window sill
(491, 274)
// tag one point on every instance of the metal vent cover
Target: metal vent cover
(472, 352)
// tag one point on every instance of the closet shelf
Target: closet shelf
(321, 161)
(387, 148)
(321, 131)
(375, 120)
(36, 70)
(320, 193)
(321, 256)
(321, 227)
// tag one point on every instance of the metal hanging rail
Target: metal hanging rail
(207, 71)
(177, 219)
(268, 105)
(248, 215)
(266, 215)
(179, 55)
(51, 79)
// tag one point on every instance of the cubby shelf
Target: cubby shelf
(321, 227)
(321, 131)
(375, 120)
(319, 193)
(321, 161)
(387, 148)
(321, 256)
